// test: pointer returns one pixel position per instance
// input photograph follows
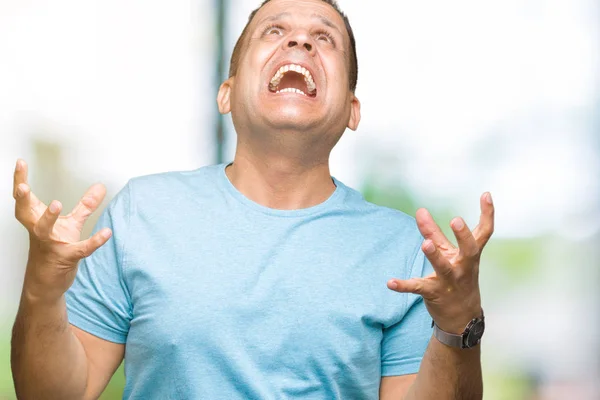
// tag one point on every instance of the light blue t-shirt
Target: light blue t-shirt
(218, 297)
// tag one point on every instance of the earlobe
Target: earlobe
(224, 96)
(354, 114)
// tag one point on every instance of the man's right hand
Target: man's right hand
(55, 241)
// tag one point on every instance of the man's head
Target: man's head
(293, 71)
(352, 57)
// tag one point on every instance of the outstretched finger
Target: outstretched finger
(431, 230)
(89, 203)
(418, 286)
(466, 242)
(483, 232)
(28, 208)
(87, 247)
(45, 224)
(20, 176)
(441, 265)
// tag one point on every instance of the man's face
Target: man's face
(293, 73)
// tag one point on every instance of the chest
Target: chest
(291, 300)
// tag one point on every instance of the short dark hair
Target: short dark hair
(352, 58)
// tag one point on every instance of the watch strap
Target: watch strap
(449, 339)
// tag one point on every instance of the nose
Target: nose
(300, 39)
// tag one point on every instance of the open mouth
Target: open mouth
(293, 78)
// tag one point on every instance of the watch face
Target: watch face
(475, 334)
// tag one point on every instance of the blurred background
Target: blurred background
(458, 98)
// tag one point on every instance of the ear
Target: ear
(224, 96)
(354, 113)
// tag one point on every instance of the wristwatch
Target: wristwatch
(471, 336)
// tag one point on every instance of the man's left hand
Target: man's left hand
(451, 293)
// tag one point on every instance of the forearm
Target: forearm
(448, 373)
(47, 360)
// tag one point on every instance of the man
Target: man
(260, 279)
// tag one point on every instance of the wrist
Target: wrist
(46, 280)
(457, 325)
(35, 292)
(468, 338)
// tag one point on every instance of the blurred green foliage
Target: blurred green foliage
(114, 390)
(400, 198)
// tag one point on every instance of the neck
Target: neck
(279, 181)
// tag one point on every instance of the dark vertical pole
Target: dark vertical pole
(221, 7)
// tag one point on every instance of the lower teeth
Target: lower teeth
(291, 90)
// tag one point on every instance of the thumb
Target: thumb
(87, 247)
(415, 285)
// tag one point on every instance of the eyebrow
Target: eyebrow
(325, 21)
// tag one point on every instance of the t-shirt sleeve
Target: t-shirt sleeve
(405, 342)
(98, 302)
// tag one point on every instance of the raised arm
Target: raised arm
(51, 359)
(451, 367)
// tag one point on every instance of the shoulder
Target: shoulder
(174, 190)
(383, 219)
(167, 182)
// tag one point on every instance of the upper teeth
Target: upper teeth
(310, 82)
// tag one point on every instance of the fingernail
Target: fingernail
(18, 167)
(458, 224)
(429, 247)
(105, 233)
(20, 191)
(489, 198)
(53, 208)
(393, 285)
